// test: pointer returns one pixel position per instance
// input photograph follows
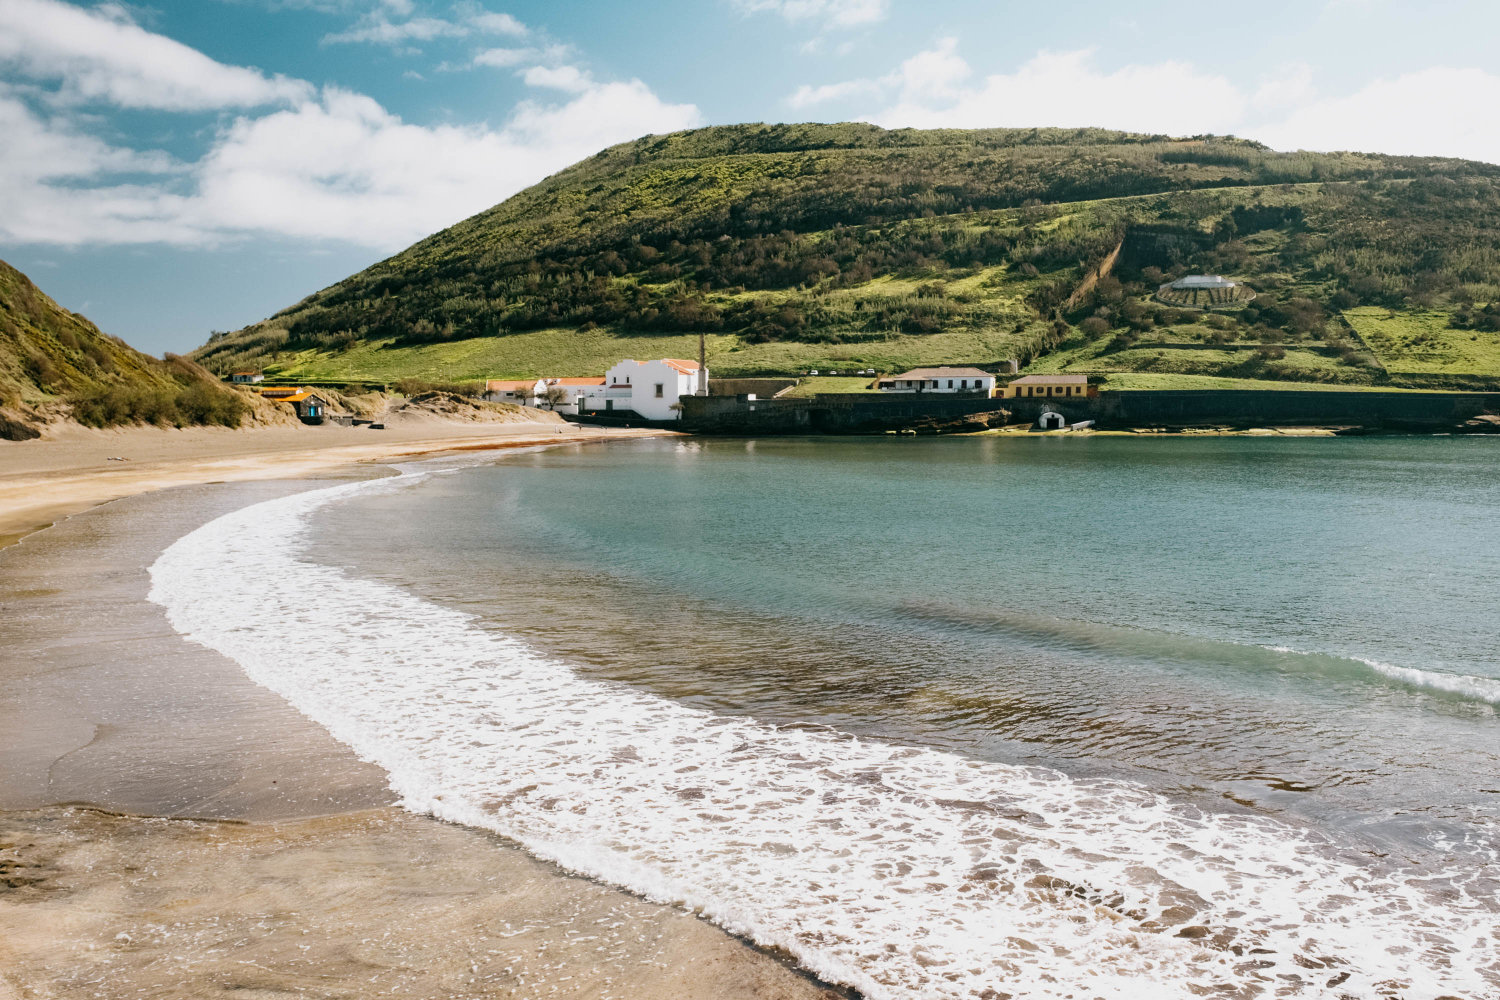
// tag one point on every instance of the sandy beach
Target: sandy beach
(74, 468)
(170, 829)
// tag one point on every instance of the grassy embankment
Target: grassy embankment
(56, 363)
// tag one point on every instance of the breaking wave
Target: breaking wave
(897, 870)
(1463, 685)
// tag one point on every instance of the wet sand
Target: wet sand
(169, 829)
(76, 468)
(364, 904)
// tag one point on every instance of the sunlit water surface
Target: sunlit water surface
(1234, 654)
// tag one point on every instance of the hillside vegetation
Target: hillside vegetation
(806, 246)
(55, 364)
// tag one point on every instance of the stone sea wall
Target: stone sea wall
(865, 413)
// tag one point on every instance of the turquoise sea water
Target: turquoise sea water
(1298, 626)
(954, 717)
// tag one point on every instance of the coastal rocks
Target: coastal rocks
(1487, 423)
(13, 428)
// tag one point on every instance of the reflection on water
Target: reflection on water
(1303, 627)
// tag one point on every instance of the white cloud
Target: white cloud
(933, 74)
(331, 164)
(472, 19)
(1064, 90)
(46, 197)
(347, 169)
(569, 78)
(382, 32)
(807, 96)
(505, 57)
(836, 13)
(1436, 112)
(497, 24)
(338, 167)
(101, 55)
(1288, 87)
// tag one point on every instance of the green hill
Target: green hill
(55, 364)
(833, 246)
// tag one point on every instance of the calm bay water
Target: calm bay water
(967, 717)
(1307, 626)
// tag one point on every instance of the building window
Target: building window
(962, 385)
(658, 390)
(950, 383)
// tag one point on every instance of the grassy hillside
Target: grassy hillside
(811, 246)
(56, 363)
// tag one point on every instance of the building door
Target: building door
(609, 404)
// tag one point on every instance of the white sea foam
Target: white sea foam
(1463, 685)
(1466, 685)
(900, 871)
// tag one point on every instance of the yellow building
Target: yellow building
(1029, 386)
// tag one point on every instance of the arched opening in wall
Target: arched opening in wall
(1051, 421)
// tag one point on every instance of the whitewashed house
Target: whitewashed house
(647, 388)
(560, 395)
(567, 395)
(521, 391)
(943, 379)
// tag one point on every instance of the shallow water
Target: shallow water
(1047, 717)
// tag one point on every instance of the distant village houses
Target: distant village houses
(561, 395)
(246, 378)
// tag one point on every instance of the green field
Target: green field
(1178, 356)
(823, 383)
(1421, 342)
(1132, 381)
(565, 353)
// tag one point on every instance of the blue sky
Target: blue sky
(187, 165)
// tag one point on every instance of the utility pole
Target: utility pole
(702, 364)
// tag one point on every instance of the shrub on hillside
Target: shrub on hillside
(163, 405)
(416, 386)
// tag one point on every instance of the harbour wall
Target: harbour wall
(855, 413)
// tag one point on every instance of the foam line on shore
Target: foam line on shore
(900, 871)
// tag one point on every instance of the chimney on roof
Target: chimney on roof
(702, 364)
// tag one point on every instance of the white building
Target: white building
(940, 380)
(560, 395)
(521, 391)
(1197, 282)
(647, 388)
